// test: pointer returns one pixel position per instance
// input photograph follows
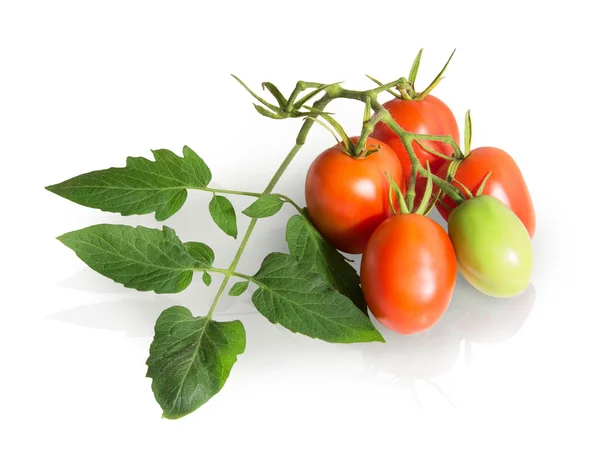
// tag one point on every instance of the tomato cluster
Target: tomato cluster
(409, 264)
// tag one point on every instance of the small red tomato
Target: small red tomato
(408, 272)
(346, 197)
(428, 115)
(506, 182)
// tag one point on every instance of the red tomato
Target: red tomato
(427, 116)
(408, 272)
(506, 182)
(347, 198)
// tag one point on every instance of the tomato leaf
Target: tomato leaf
(207, 279)
(141, 187)
(290, 294)
(140, 258)
(264, 206)
(201, 252)
(238, 288)
(308, 246)
(191, 358)
(223, 214)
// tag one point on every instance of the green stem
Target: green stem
(407, 139)
(300, 87)
(300, 140)
(285, 198)
(218, 270)
(411, 192)
(230, 192)
(243, 276)
(290, 201)
(367, 129)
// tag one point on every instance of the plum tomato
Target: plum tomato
(347, 197)
(428, 115)
(506, 182)
(492, 246)
(408, 272)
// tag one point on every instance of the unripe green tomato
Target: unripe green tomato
(492, 246)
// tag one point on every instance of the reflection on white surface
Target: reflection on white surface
(471, 318)
(87, 280)
(403, 361)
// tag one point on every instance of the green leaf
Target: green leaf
(143, 186)
(238, 288)
(291, 294)
(223, 214)
(264, 206)
(191, 358)
(140, 258)
(307, 244)
(206, 278)
(201, 252)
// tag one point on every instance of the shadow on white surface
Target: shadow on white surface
(86, 280)
(406, 362)
(471, 318)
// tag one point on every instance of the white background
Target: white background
(497, 385)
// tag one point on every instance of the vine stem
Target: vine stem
(285, 198)
(332, 92)
(300, 140)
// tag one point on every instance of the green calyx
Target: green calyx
(291, 107)
(456, 160)
(426, 205)
(405, 90)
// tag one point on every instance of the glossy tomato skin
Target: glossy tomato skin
(427, 116)
(493, 248)
(408, 272)
(506, 182)
(347, 198)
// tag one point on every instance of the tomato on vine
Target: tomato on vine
(493, 248)
(420, 113)
(506, 181)
(408, 270)
(346, 195)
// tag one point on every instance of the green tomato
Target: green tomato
(492, 246)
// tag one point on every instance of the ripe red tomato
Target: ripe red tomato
(408, 272)
(506, 182)
(426, 116)
(347, 198)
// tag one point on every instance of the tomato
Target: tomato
(493, 248)
(347, 198)
(426, 116)
(408, 272)
(506, 182)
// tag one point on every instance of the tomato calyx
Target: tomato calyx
(356, 148)
(405, 90)
(427, 203)
(457, 160)
(292, 107)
